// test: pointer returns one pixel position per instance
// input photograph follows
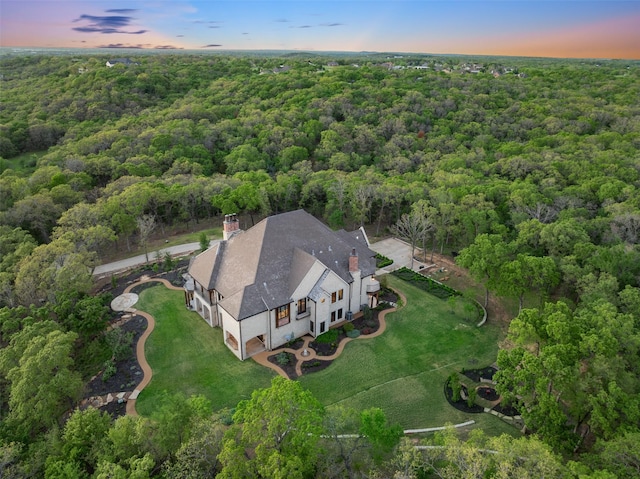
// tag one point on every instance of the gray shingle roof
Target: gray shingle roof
(258, 269)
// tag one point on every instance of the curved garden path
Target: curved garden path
(263, 357)
(142, 359)
(260, 358)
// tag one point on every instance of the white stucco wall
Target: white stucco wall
(201, 302)
(232, 326)
(297, 327)
(332, 283)
(252, 327)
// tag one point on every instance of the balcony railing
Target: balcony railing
(372, 285)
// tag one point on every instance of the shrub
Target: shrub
(382, 261)
(348, 327)
(367, 313)
(471, 398)
(109, 370)
(312, 364)
(328, 337)
(429, 285)
(168, 263)
(204, 241)
(353, 334)
(120, 343)
(456, 387)
(283, 358)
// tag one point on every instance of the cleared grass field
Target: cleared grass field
(402, 371)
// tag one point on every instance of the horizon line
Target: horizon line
(352, 52)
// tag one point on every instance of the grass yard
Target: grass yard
(189, 356)
(402, 371)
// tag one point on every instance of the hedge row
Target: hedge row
(382, 261)
(429, 285)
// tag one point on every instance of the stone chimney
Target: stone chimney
(353, 261)
(230, 226)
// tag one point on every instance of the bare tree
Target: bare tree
(427, 214)
(627, 227)
(412, 227)
(146, 225)
(362, 196)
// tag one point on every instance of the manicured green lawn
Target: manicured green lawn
(189, 356)
(402, 371)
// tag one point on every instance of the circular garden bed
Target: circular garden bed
(458, 402)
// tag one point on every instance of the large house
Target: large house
(285, 277)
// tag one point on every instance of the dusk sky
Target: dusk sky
(577, 29)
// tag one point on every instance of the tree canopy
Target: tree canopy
(526, 169)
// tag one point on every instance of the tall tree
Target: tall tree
(43, 385)
(527, 273)
(53, 269)
(281, 426)
(484, 258)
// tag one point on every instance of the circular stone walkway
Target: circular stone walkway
(124, 302)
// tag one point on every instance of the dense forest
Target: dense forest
(526, 170)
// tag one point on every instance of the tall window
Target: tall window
(340, 313)
(333, 297)
(340, 294)
(282, 315)
(302, 306)
(333, 316)
(322, 327)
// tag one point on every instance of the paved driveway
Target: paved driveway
(122, 265)
(398, 251)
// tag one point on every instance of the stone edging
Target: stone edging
(441, 428)
(484, 314)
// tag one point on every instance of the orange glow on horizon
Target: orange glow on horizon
(619, 38)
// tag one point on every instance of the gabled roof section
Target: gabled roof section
(202, 267)
(301, 264)
(264, 264)
(316, 292)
